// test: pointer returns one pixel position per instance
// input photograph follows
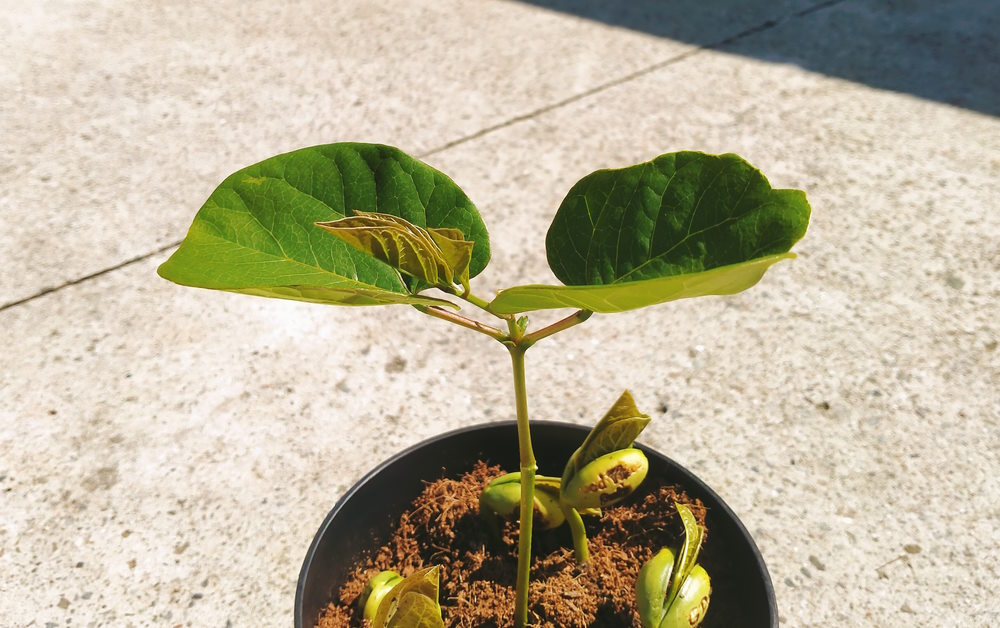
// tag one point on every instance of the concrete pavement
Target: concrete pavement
(166, 454)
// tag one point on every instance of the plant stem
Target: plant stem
(579, 533)
(528, 468)
(571, 320)
(517, 343)
(458, 319)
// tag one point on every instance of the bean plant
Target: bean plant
(365, 224)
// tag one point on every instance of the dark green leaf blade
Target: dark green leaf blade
(682, 215)
(621, 297)
(256, 233)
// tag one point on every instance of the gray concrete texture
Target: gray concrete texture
(166, 454)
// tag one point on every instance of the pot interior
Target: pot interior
(364, 516)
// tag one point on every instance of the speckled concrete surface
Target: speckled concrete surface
(124, 114)
(166, 454)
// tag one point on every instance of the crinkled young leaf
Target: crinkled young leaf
(680, 215)
(617, 430)
(256, 233)
(434, 256)
(457, 252)
(403, 605)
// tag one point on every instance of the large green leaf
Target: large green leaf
(256, 233)
(619, 297)
(678, 216)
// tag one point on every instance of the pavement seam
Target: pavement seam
(79, 280)
(753, 30)
(659, 65)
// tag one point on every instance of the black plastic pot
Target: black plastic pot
(740, 580)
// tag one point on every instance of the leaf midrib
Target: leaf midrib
(690, 234)
(694, 212)
(288, 185)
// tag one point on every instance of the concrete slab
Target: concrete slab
(166, 454)
(147, 481)
(120, 118)
(826, 401)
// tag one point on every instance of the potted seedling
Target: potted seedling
(363, 224)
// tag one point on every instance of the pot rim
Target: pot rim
(700, 485)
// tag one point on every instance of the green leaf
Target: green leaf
(417, 611)
(457, 253)
(256, 233)
(635, 294)
(345, 295)
(688, 555)
(434, 256)
(616, 431)
(413, 603)
(621, 235)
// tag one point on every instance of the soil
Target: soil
(443, 527)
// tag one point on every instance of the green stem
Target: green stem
(517, 342)
(579, 532)
(528, 468)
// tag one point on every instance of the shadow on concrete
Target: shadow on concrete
(943, 51)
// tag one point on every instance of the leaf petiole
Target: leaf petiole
(468, 323)
(574, 319)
